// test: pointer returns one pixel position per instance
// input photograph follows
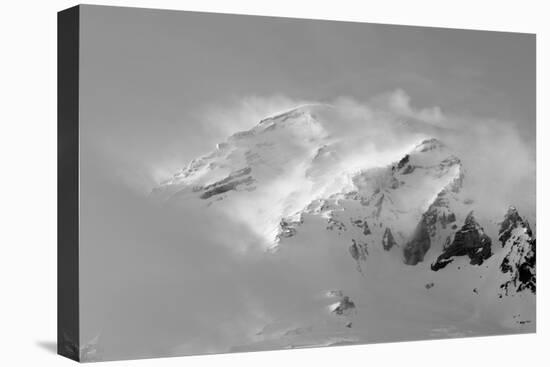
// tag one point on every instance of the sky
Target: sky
(171, 69)
(160, 88)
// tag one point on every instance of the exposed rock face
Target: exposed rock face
(416, 248)
(403, 162)
(430, 144)
(404, 166)
(231, 182)
(334, 224)
(358, 250)
(439, 212)
(457, 183)
(287, 228)
(520, 262)
(380, 203)
(344, 306)
(512, 220)
(388, 241)
(469, 241)
(362, 224)
(411, 209)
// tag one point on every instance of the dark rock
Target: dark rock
(403, 162)
(439, 212)
(378, 206)
(287, 228)
(511, 221)
(440, 264)
(366, 229)
(469, 241)
(358, 250)
(344, 305)
(430, 144)
(451, 218)
(231, 182)
(220, 189)
(416, 248)
(520, 262)
(362, 223)
(335, 224)
(387, 240)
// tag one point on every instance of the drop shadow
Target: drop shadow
(48, 345)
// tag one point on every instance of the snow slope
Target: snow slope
(393, 246)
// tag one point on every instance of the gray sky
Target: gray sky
(156, 87)
(143, 68)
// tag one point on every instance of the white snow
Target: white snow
(307, 174)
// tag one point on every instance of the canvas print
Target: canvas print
(251, 183)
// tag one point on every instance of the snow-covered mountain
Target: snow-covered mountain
(411, 251)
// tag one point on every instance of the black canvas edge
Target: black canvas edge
(68, 36)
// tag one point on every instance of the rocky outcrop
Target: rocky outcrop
(519, 264)
(420, 243)
(361, 224)
(404, 161)
(344, 306)
(512, 220)
(231, 182)
(439, 212)
(366, 211)
(429, 144)
(358, 250)
(333, 224)
(378, 206)
(470, 241)
(388, 242)
(287, 228)
(404, 166)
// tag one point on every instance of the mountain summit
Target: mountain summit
(396, 219)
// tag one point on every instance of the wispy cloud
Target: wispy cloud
(218, 286)
(499, 162)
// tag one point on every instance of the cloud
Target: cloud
(372, 133)
(191, 279)
(242, 114)
(399, 103)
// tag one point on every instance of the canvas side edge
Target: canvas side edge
(68, 42)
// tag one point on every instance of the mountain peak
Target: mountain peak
(512, 216)
(471, 220)
(308, 109)
(429, 144)
(512, 220)
(520, 262)
(431, 154)
(470, 241)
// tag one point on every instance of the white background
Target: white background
(28, 180)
